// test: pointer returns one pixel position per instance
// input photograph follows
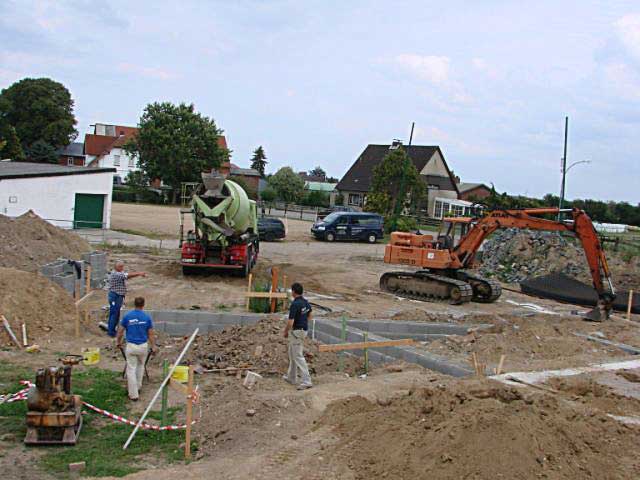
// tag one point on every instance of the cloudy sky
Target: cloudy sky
(315, 81)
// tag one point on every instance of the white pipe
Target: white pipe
(164, 382)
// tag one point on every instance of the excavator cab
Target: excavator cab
(449, 229)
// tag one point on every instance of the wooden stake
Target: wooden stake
(339, 347)
(77, 290)
(249, 283)
(499, 369)
(25, 342)
(274, 286)
(629, 303)
(7, 327)
(87, 273)
(474, 358)
(77, 329)
(165, 394)
(187, 445)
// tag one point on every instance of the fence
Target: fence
(289, 210)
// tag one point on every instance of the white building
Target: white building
(103, 149)
(68, 197)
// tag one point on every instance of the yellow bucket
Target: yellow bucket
(91, 356)
(181, 374)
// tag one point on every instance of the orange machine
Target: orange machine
(444, 274)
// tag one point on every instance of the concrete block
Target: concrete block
(66, 281)
(51, 269)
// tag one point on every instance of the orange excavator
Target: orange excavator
(445, 274)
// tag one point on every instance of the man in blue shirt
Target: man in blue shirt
(139, 334)
(296, 332)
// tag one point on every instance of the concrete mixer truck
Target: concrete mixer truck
(225, 233)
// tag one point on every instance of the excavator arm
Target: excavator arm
(580, 225)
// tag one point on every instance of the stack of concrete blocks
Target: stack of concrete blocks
(98, 262)
(184, 322)
(65, 274)
(58, 273)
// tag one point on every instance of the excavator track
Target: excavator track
(426, 287)
(485, 290)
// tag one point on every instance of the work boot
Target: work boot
(286, 379)
(304, 386)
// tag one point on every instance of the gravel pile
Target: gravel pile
(514, 255)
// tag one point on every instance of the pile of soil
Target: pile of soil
(261, 347)
(28, 242)
(536, 341)
(514, 255)
(46, 308)
(588, 391)
(480, 429)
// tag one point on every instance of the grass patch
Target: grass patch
(101, 440)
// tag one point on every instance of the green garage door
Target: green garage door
(88, 211)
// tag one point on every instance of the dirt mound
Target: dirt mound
(261, 347)
(514, 255)
(603, 397)
(46, 308)
(480, 430)
(537, 341)
(28, 242)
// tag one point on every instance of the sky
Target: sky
(314, 82)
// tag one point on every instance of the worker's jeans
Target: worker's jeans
(115, 304)
(296, 358)
(136, 356)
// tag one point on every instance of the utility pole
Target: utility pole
(413, 124)
(564, 165)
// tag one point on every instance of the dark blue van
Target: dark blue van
(368, 227)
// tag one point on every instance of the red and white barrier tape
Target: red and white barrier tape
(22, 395)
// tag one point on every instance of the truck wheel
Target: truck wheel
(330, 237)
(269, 237)
(186, 271)
(371, 238)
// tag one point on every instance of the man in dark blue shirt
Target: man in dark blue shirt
(296, 332)
(138, 327)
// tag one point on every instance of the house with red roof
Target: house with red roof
(104, 149)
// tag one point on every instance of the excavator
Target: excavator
(445, 274)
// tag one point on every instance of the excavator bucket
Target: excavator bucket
(598, 314)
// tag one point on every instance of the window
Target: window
(438, 210)
(70, 161)
(458, 210)
(355, 199)
(370, 221)
(354, 221)
(116, 160)
(132, 162)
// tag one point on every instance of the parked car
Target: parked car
(270, 229)
(336, 208)
(368, 227)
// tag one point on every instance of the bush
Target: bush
(316, 199)
(339, 200)
(263, 305)
(268, 194)
(400, 224)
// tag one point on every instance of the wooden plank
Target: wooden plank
(266, 295)
(87, 287)
(84, 298)
(362, 345)
(25, 342)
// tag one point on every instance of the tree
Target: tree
(39, 110)
(41, 152)
(176, 144)
(316, 198)
(318, 172)
(9, 142)
(396, 185)
(259, 160)
(287, 184)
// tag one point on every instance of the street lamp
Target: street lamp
(565, 169)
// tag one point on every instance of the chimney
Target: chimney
(395, 144)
